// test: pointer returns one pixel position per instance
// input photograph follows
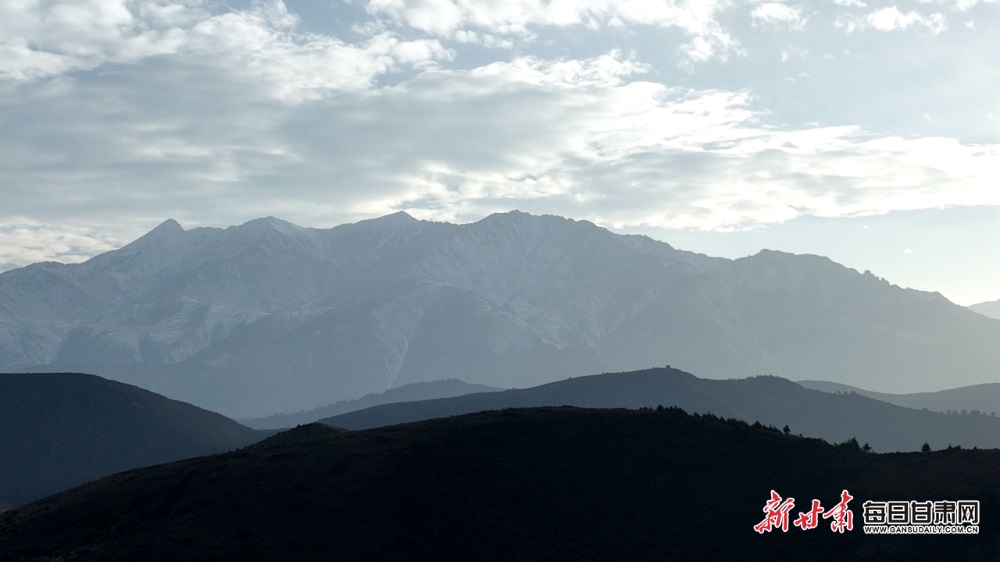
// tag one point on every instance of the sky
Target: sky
(865, 131)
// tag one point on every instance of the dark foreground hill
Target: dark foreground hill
(61, 430)
(770, 400)
(539, 484)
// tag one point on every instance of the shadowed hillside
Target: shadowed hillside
(540, 484)
(770, 400)
(60, 430)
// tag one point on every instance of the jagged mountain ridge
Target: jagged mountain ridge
(268, 316)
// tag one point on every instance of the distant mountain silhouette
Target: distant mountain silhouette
(271, 317)
(990, 309)
(540, 484)
(61, 430)
(980, 398)
(406, 393)
(769, 400)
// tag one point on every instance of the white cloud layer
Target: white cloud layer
(116, 114)
(778, 14)
(587, 137)
(892, 19)
(25, 242)
(41, 39)
(697, 19)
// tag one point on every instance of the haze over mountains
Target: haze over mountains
(984, 398)
(991, 308)
(407, 393)
(269, 317)
(769, 400)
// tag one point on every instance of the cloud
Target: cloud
(607, 70)
(777, 14)
(484, 39)
(892, 19)
(262, 43)
(637, 152)
(26, 242)
(213, 117)
(589, 137)
(959, 5)
(697, 19)
(46, 38)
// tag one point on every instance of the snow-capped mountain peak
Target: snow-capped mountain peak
(270, 316)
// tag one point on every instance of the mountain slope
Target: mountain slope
(61, 430)
(268, 316)
(769, 400)
(407, 393)
(991, 309)
(983, 398)
(544, 484)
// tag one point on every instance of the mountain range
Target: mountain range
(978, 398)
(407, 393)
(771, 401)
(64, 429)
(271, 317)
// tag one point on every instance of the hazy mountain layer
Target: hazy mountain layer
(545, 484)
(769, 400)
(991, 309)
(61, 430)
(406, 393)
(269, 317)
(980, 398)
